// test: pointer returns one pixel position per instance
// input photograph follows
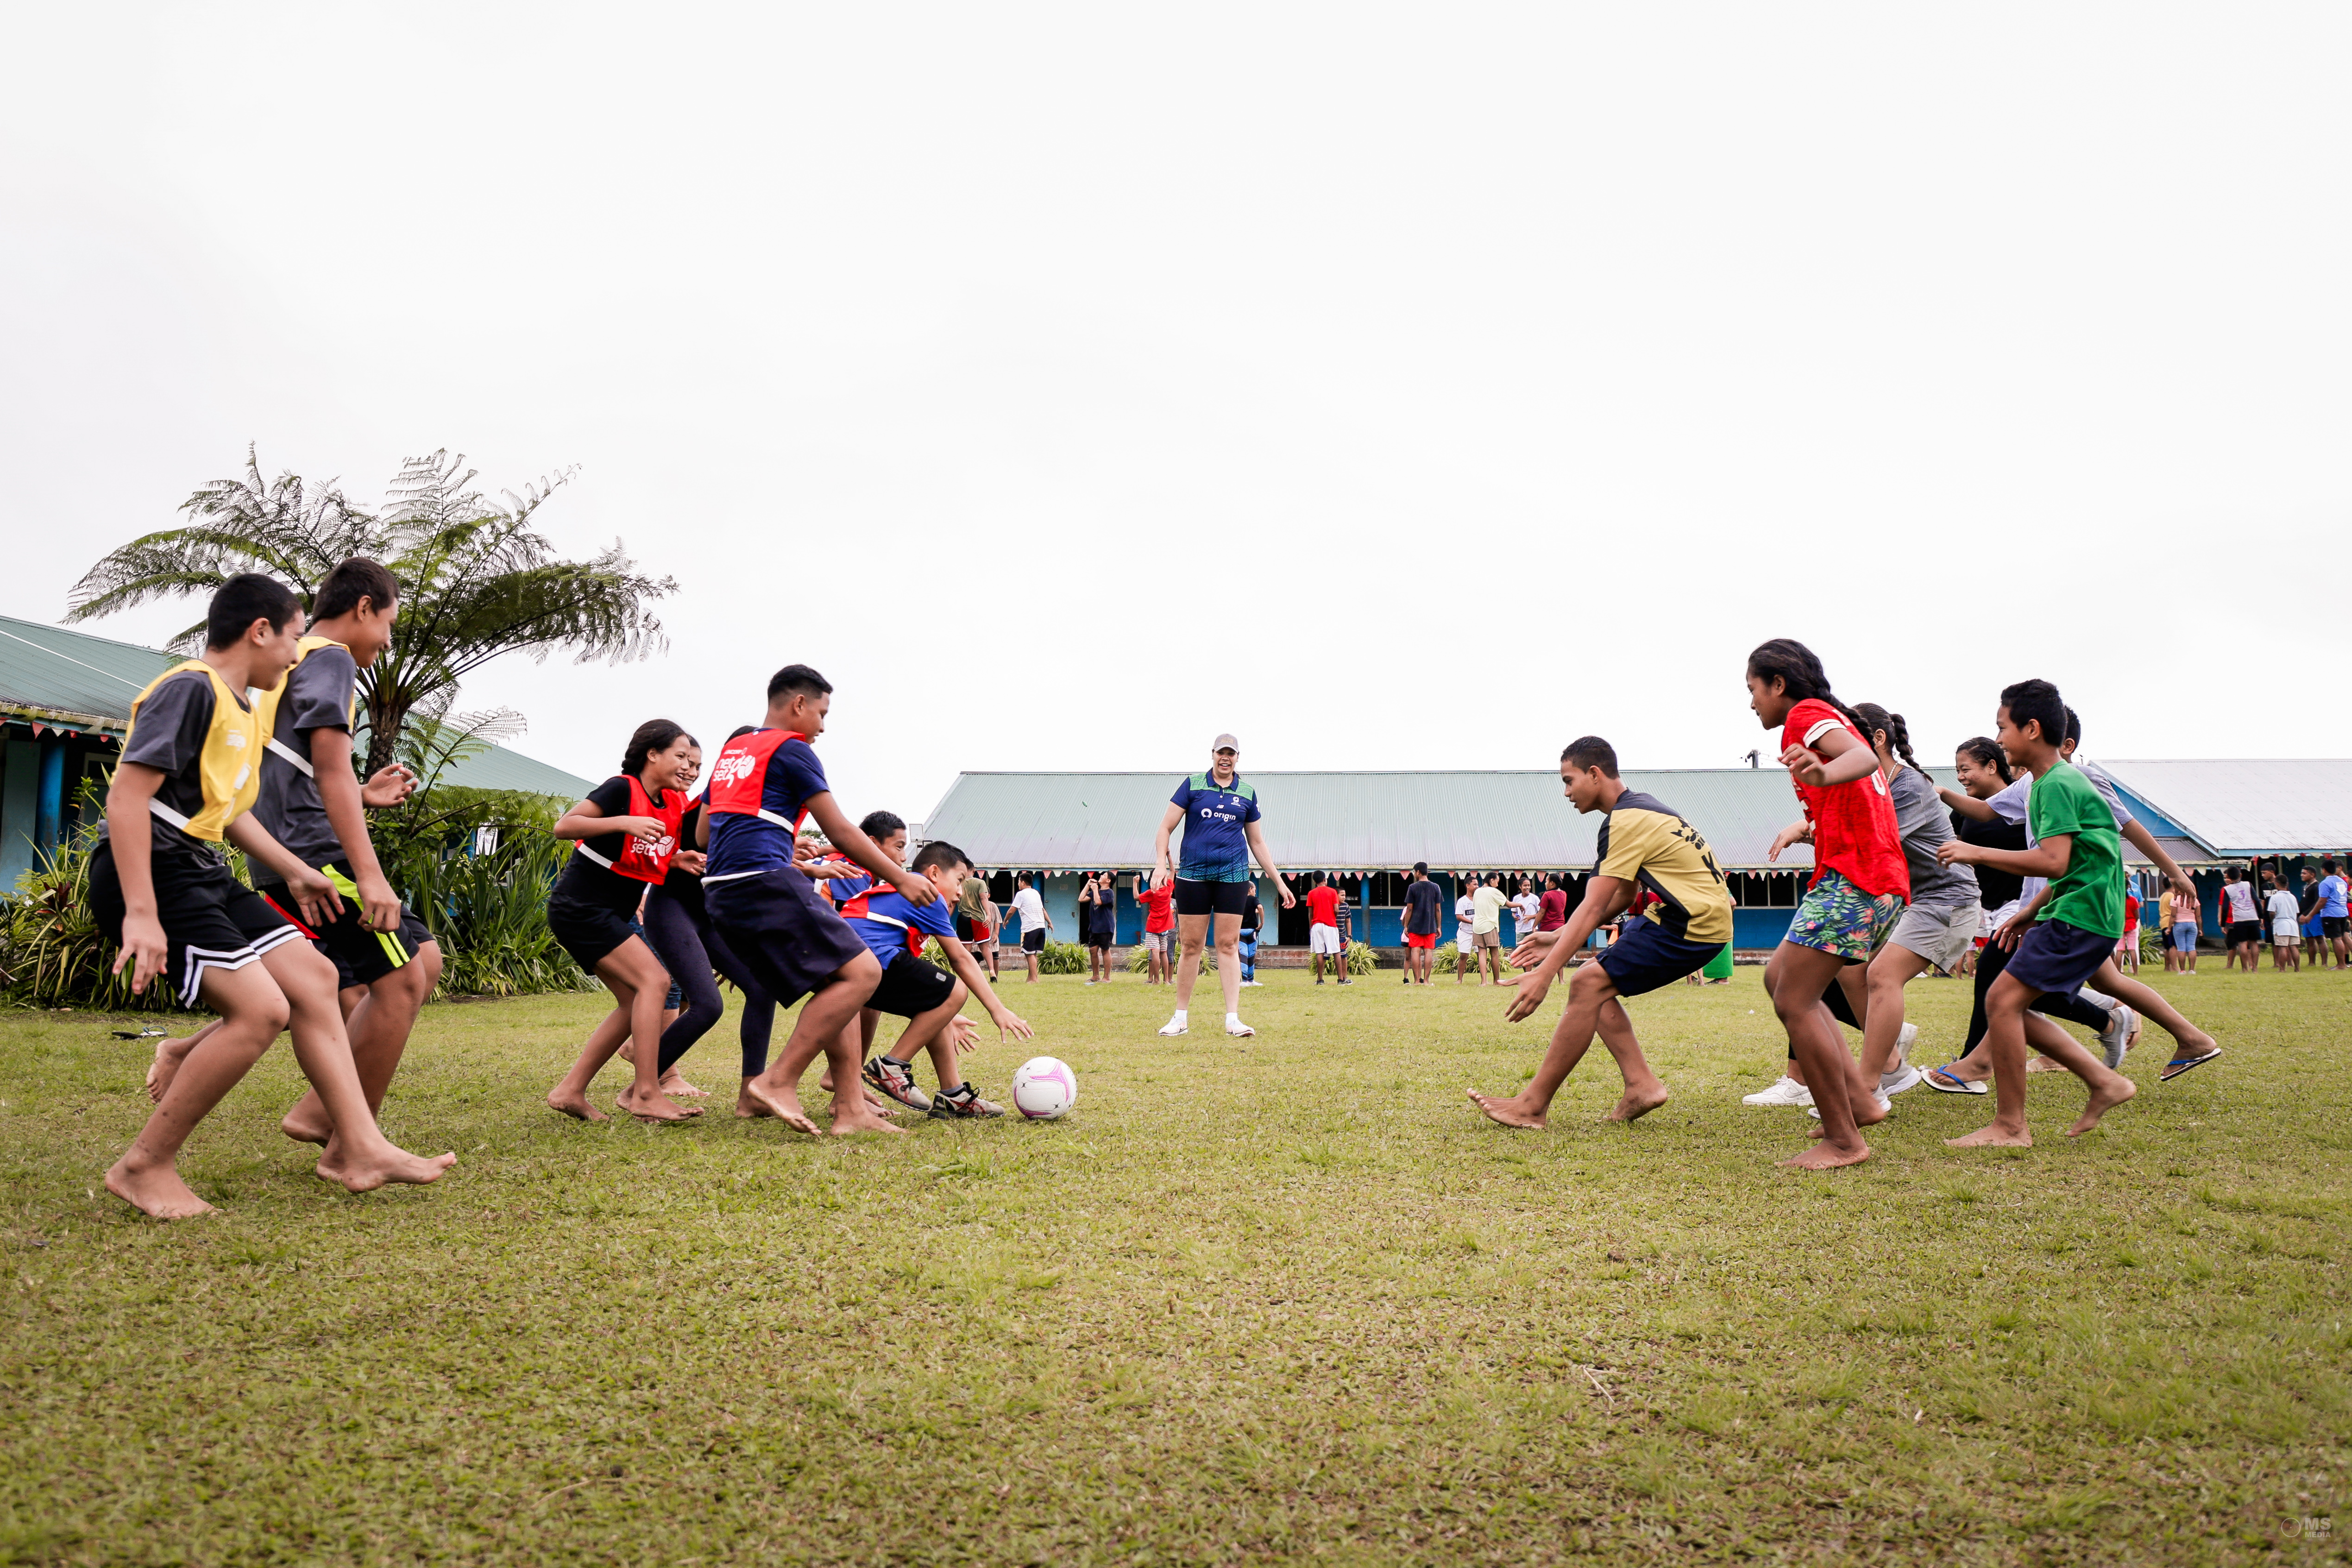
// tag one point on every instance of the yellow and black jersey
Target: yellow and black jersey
(205, 740)
(1643, 841)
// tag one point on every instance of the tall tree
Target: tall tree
(475, 580)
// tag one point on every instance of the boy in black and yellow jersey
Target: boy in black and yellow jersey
(1644, 845)
(161, 888)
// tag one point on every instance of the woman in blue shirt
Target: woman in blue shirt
(1218, 810)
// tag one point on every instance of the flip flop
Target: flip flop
(2179, 1065)
(1941, 1080)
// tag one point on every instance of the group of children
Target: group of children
(251, 744)
(2295, 922)
(2031, 850)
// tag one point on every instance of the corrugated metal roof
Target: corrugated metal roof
(82, 682)
(50, 672)
(2259, 808)
(1356, 821)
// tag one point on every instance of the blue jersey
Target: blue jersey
(787, 776)
(2331, 897)
(1215, 849)
(891, 925)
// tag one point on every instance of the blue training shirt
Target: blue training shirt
(885, 941)
(1215, 849)
(740, 844)
(2331, 897)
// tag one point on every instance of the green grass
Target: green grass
(1286, 1300)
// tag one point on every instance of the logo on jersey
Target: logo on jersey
(732, 768)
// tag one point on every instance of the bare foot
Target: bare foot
(1632, 1106)
(654, 1107)
(1508, 1109)
(856, 1116)
(825, 1080)
(388, 1164)
(780, 1103)
(749, 1108)
(169, 1055)
(307, 1122)
(158, 1192)
(574, 1105)
(1993, 1137)
(2102, 1102)
(2042, 1064)
(1826, 1156)
(671, 1083)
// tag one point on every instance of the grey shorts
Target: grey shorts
(1942, 937)
(1162, 942)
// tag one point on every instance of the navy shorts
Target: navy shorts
(1648, 956)
(785, 931)
(2056, 956)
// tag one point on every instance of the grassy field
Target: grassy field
(1287, 1299)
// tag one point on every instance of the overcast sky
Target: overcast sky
(1398, 388)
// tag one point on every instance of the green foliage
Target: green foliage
(1061, 958)
(476, 581)
(1361, 960)
(51, 949)
(489, 911)
(1139, 961)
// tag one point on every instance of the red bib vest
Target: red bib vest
(644, 860)
(740, 774)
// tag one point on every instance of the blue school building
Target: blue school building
(1366, 828)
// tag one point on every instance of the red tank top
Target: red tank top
(1853, 823)
(740, 774)
(647, 860)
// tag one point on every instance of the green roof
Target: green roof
(77, 681)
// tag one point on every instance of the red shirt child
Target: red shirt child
(1853, 823)
(1323, 907)
(1159, 907)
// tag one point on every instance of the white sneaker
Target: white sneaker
(1900, 1074)
(1816, 1114)
(1236, 1028)
(1785, 1091)
(1176, 1025)
(2115, 1038)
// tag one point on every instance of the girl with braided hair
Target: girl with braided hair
(1860, 885)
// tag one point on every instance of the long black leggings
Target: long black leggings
(2071, 1006)
(682, 938)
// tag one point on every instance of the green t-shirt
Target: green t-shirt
(2090, 894)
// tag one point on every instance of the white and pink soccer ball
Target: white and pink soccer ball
(1045, 1088)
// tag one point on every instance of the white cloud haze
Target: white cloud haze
(1395, 387)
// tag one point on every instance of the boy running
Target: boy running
(1644, 844)
(2074, 933)
(762, 787)
(161, 890)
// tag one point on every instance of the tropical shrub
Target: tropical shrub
(51, 949)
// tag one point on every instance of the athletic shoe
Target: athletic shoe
(1176, 1025)
(1785, 1091)
(1236, 1028)
(963, 1104)
(1345, 981)
(897, 1079)
(2115, 1038)
(1942, 1081)
(1900, 1074)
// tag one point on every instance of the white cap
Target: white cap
(1225, 743)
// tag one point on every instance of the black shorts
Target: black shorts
(210, 920)
(2245, 931)
(1033, 941)
(361, 956)
(1650, 956)
(1210, 898)
(1100, 937)
(910, 987)
(785, 931)
(2060, 957)
(2332, 925)
(589, 932)
(963, 930)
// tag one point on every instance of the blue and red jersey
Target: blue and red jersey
(760, 785)
(888, 925)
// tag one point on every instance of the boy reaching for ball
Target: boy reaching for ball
(916, 989)
(1644, 845)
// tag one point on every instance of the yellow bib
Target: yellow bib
(229, 767)
(266, 709)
